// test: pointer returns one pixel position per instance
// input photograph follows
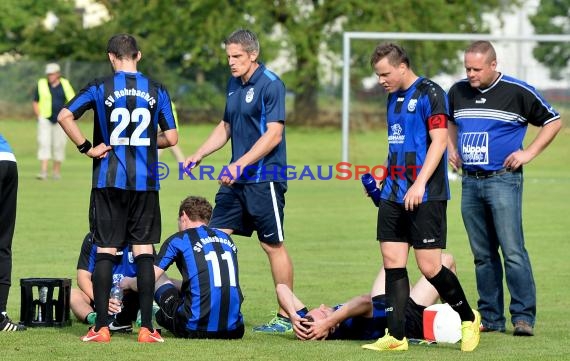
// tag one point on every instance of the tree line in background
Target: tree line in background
(182, 39)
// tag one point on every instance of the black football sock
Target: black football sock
(4, 290)
(447, 285)
(397, 294)
(145, 285)
(102, 280)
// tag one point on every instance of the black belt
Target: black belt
(481, 174)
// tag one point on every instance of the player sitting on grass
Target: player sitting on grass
(362, 317)
(81, 301)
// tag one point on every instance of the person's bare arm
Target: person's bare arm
(453, 156)
(217, 139)
(544, 137)
(84, 282)
(287, 299)
(67, 121)
(167, 138)
(130, 283)
(290, 303)
(357, 306)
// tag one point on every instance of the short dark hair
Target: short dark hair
(395, 54)
(309, 318)
(196, 208)
(246, 38)
(483, 47)
(123, 46)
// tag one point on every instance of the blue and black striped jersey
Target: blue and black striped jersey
(408, 140)
(207, 261)
(492, 122)
(124, 266)
(128, 108)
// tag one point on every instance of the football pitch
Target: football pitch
(330, 235)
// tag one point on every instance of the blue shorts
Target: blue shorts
(423, 228)
(244, 208)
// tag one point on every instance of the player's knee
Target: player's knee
(105, 257)
(75, 297)
(448, 261)
(273, 248)
(430, 270)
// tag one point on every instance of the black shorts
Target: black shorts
(119, 217)
(414, 320)
(252, 206)
(168, 317)
(423, 228)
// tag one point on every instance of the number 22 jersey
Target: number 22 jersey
(128, 108)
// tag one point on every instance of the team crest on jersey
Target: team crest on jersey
(249, 95)
(412, 105)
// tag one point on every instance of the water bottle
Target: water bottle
(369, 184)
(117, 293)
(42, 306)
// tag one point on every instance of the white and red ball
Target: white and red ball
(442, 324)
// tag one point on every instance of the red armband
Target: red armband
(438, 121)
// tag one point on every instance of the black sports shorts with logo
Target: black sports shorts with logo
(423, 228)
(119, 217)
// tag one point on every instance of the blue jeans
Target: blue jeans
(492, 214)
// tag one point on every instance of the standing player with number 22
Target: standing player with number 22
(128, 108)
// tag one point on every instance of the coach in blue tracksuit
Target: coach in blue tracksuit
(490, 115)
(252, 192)
(8, 201)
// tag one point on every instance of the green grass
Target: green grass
(330, 234)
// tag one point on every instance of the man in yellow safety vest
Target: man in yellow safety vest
(52, 92)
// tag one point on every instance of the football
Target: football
(441, 324)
